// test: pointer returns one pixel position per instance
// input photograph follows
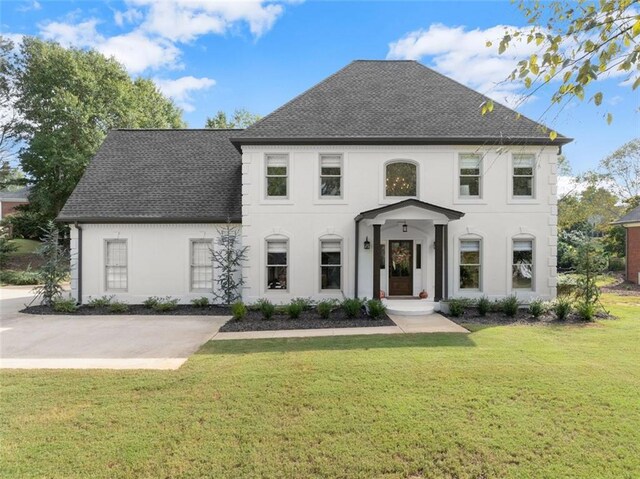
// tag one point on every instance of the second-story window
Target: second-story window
(277, 176)
(401, 179)
(331, 176)
(470, 180)
(523, 176)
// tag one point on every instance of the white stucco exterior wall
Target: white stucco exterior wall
(158, 260)
(303, 218)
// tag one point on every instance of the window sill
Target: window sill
(523, 201)
(276, 202)
(469, 201)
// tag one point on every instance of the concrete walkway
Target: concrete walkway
(430, 323)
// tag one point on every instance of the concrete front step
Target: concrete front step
(409, 307)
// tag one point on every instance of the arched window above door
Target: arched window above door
(401, 179)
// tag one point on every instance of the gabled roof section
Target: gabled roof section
(18, 195)
(150, 176)
(632, 216)
(387, 102)
(450, 214)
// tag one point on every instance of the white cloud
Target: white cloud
(137, 52)
(180, 89)
(130, 15)
(463, 55)
(30, 6)
(80, 35)
(185, 20)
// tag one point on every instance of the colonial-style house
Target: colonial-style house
(382, 180)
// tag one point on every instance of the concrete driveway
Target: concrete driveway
(87, 342)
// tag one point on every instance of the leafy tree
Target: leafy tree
(591, 261)
(622, 169)
(227, 259)
(594, 205)
(55, 268)
(241, 119)
(579, 42)
(8, 115)
(67, 100)
(11, 179)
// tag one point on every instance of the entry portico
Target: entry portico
(407, 252)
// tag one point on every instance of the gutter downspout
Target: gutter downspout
(79, 228)
(355, 293)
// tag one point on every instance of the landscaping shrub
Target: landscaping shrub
(484, 306)
(55, 268)
(536, 308)
(375, 308)
(165, 304)
(151, 301)
(566, 284)
(200, 302)
(6, 248)
(457, 306)
(118, 307)
(267, 308)
(102, 302)
(293, 309)
(616, 264)
(587, 311)
(562, 308)
(238, 310)
(510, 306)
(351, 307)
(64, 305)
(325, 307)
(21, 278)
(305, 303)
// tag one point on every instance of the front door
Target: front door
(400, 268)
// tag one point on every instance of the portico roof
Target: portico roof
(449, 213)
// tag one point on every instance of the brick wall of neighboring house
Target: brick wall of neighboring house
(8, 207)
(633, 253)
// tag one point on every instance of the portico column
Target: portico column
(376, 262)
(439, 286)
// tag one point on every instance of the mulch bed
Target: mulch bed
(136, 309)
(471, 315)
(623, 288)
(254, 321)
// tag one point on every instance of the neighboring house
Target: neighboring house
(382, 177)
(10, 199)
(631, 223)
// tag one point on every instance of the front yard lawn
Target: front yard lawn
(526, 401)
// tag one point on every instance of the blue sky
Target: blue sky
(212, 56)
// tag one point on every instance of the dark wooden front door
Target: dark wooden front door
(400, 268)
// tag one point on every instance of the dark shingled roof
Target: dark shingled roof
(22, 194)
(160, 176)
(632, 216)
(393, 102)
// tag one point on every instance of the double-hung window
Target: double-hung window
(277, 264)
(331, 176)
(331, 264)
(201, 265)
(522, 264)
(116, 268)
(470, 184)
(277, 176)
(470, 264)
(523, 176)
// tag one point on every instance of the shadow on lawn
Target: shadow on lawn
(336, 343)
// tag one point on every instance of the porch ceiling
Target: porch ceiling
(411, 202)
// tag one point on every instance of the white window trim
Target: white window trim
(458, 264)
(331, 239)
(320, 199)
(276, 239)
(105, 274)
(384, 199)
(510, 241)
(458, 198)
(191, 266)
(276, 199)
(511, 199)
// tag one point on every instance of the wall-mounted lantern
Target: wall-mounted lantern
(367, 243)
(404, 227)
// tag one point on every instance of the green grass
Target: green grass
(25, 245)
(513, 401)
